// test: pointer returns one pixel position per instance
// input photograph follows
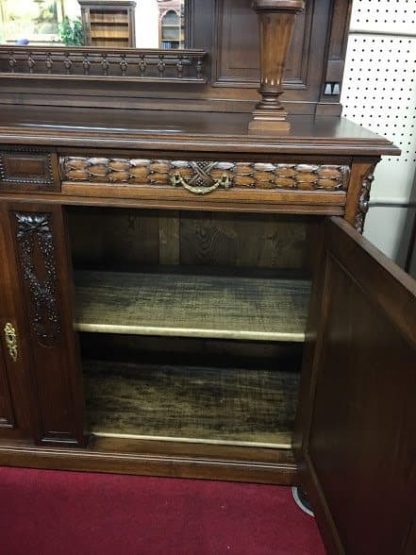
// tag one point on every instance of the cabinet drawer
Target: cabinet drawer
(222, 179)
(28, 170)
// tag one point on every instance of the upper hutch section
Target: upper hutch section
(209, 50)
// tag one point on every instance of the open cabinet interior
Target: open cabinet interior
(191, 325)
(184, 290)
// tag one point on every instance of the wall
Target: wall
(380, 93)
(147, 24)
(72, 9)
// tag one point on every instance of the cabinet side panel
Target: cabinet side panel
(41, 249)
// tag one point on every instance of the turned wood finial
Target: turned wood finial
(276, 19)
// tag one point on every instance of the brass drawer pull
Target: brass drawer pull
(10, 337)
(201, 182)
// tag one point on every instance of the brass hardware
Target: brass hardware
(10, 337)
(201, 183)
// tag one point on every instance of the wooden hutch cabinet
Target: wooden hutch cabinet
(184, 292)
(109, 24)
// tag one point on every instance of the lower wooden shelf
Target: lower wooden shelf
(211, 405)
(180, 305)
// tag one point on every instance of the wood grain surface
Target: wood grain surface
(191, 306)
(187, 402)
(126, 239)
(153, 131)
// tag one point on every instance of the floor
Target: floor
(68, 513)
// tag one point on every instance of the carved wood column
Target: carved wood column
(276, 20)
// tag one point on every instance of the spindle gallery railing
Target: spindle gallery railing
(99, 63)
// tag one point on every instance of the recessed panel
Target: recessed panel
(28, 171)
(239, 44)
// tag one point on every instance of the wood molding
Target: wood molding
(153, 458)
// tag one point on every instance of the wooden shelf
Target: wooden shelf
(209, 405)
(191, 306)
(110, 35)
(108, 19)
(110, 42)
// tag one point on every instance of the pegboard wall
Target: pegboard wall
(384, 16)
(379, 92)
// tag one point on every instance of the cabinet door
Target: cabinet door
(39, 242)
(15, 397)
(8, 343)
(357, 422)
(7, 419)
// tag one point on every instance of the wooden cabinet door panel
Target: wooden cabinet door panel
(40, 244)
(359, 403)
(7, 419)
(15, 397)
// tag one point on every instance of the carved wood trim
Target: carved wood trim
(364, 199)
(137, 171)
(89, 63)
(37, 258)
(356, 206)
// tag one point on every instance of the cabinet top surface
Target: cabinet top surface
(183, 130)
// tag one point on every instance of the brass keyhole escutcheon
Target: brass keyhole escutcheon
(10, 337)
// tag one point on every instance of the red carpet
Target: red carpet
(65, 513)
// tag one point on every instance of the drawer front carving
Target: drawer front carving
(26, 169)
(202, 177)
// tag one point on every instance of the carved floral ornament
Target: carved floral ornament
(34, 235)
(203, 177)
